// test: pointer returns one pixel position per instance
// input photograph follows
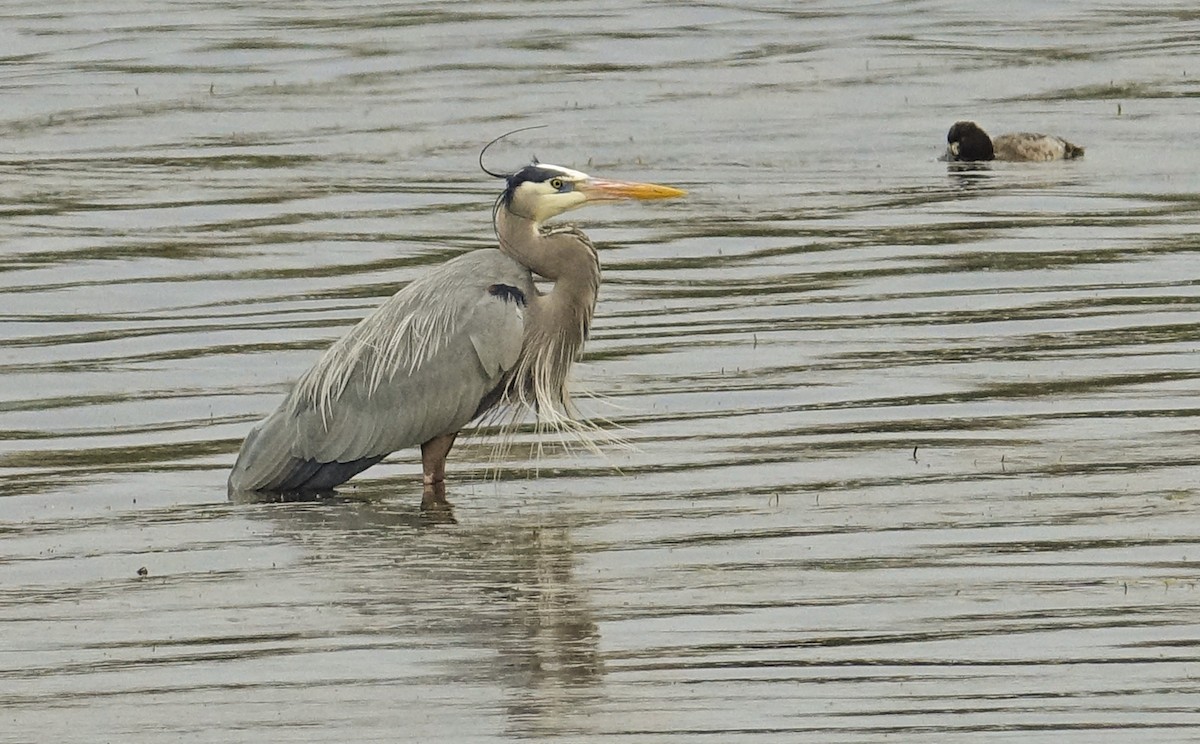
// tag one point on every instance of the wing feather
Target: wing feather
(1033, 146)
(492, 350)
(415, 368)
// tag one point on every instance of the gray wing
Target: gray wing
(417, 367)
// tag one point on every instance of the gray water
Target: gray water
(914, 449)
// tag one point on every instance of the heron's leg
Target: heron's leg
(433, 457)
(435, 509)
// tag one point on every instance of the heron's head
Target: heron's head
(540, 191)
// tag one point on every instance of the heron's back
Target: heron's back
(417, 367)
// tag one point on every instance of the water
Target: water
(915, 446)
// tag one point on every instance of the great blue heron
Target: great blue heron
(470, 335)
(967, 141)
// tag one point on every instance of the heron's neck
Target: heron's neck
(564, 256)
(557, 323)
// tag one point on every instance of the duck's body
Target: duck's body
(968, 142)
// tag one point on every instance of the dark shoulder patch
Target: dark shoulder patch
(508, 293)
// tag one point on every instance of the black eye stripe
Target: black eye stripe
(532, 173)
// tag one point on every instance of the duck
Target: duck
(968, 142)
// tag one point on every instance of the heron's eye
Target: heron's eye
(556, 183)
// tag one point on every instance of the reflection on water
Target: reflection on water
(504, 591)
(914, 442)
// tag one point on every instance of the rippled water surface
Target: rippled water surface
(914, 448)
